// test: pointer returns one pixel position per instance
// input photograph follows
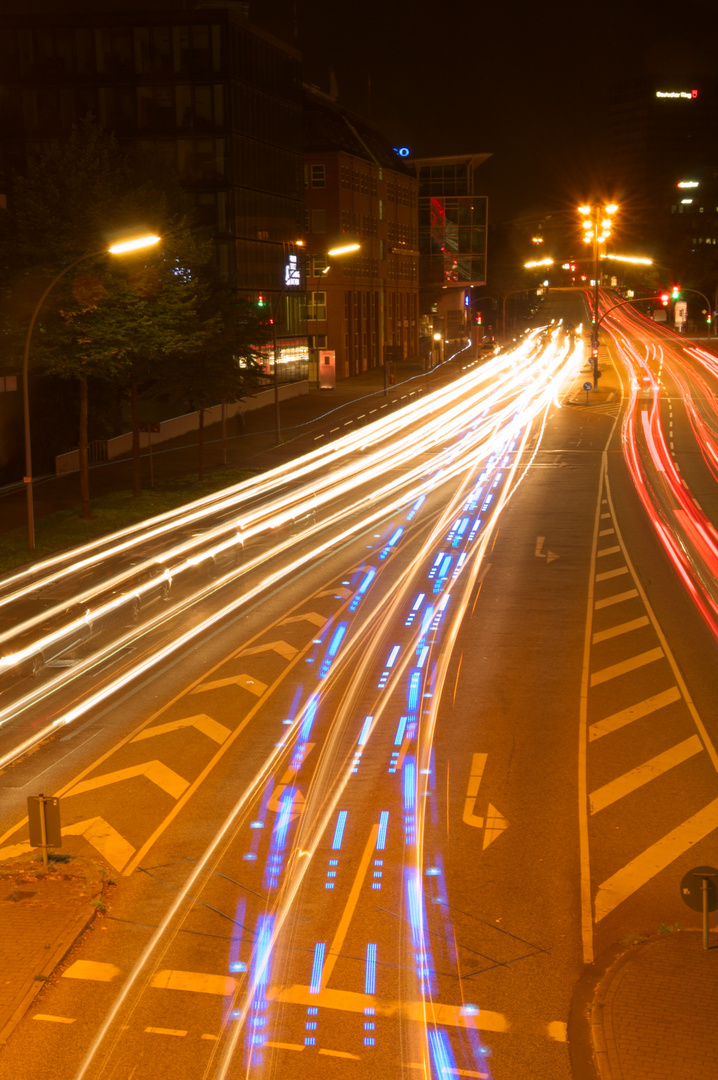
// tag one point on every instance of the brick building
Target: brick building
(358, 190)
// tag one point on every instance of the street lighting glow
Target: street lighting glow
(585, 210)
(611, 208)
(629, 259)
(133, 245)
(538, 262)
(687, 184)
(344, 250)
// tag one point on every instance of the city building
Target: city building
(217, 98)
(662, 147)
(363, 306)
(452, 244)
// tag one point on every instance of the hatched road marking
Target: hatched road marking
(617, 599)
(633, 712)
(625, 666)
(622, 628)
(209, 727)
(159, 774)
(282, 647)
(255, 686)
(643, 774)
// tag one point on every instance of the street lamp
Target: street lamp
(597, 220)
(117, 249)
(292, 276)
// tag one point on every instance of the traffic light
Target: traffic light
(675, 292)
(477, 318)
(664, 299)
(261, 300)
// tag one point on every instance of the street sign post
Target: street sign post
(588, 387)
(149, 426)
(43, 814)
(699, 891)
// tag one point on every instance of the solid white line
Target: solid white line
(643, 774)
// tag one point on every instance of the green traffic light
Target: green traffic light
(675, 292)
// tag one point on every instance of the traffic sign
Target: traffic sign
(588, 386)
(692, 888)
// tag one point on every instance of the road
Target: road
(402, 773)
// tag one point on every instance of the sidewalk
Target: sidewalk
(254, 447)
(41, 917)
(653, 1015)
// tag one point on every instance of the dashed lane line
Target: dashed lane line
(92, 970)
(166, 1031)
(643, 774)
(339, 1054)
(633, 712)
(55, 1019)
(632, 664)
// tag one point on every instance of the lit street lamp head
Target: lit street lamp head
(345, 250)
(134, 245)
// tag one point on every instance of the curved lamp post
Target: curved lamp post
(116, 249)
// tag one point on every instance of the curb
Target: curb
(32, 986)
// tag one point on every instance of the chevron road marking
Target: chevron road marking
(282, 647)
(209, 727)
(97, 832)
(255, 686)
(309, 616)
(634, 712)
(643, 774)
(159, 774)
(657, 857)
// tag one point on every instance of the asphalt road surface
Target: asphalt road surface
(401, 774)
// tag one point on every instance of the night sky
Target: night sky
(525, 81)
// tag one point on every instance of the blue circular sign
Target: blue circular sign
(402, 151)
(588, 386)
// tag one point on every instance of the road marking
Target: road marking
(337, 594)
(617, 599)
(614, 890)
(607, 551)
(92, 969)
(643, 774)
(282, 647)
(255, 686)
(213, 1038)
(424, 1012)
(113, 847)
(341, 933)
(309, 616)
(285, 1046)
(622, 628)
(478, 764)
(549, 556)
(340, 1053)
(165, 1031)
(611, 573)
(96, 831)
(633, 712)
(495, 825)
(557, 1030)
(55, 1019)
(161, 775)
(197, 982)
(607, 532)
(209, 727)
(625, 666)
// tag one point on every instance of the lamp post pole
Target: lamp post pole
(116, 249)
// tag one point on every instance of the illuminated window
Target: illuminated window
(319, 265)
(316, 306)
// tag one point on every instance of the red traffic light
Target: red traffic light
(664, 299)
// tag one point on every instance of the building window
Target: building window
(318, 176)
(347, 304)
(316, 306)
(319, 265)
(381, 209)
(317, 341)
(319, 221)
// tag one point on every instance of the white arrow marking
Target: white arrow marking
(495, 825)
(549, 556)
(478, 764)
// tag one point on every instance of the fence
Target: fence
(121, 445)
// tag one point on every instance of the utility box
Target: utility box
(327, 369)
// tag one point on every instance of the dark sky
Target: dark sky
(525, 81)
